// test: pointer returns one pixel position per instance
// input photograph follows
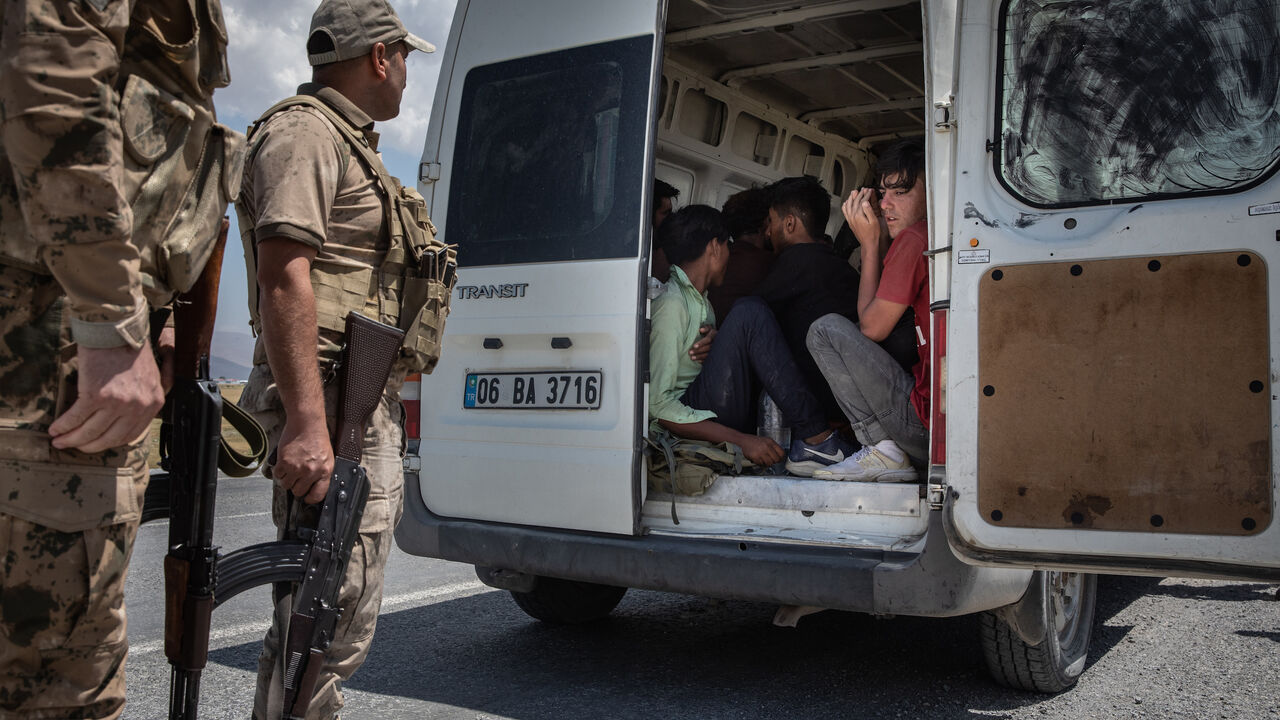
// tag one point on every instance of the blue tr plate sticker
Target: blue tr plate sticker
(469, 394)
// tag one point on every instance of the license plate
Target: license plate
(570, 390)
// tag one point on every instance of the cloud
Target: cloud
(267, 54)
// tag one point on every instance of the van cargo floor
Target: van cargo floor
(889, 516)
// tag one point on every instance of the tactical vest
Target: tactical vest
(410, 289)
(181, 168)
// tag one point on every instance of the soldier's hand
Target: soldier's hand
(304, 460)
(118, 394)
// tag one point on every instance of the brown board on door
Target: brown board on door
(1130, 394)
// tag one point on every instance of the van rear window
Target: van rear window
(1126, 101)
(549, 162)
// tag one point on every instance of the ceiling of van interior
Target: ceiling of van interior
(853, 68)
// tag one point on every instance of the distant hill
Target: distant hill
(232, 355)
(223, 369)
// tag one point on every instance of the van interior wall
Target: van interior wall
(757, 90)
(752, 92)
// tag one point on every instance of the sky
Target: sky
(267, 54)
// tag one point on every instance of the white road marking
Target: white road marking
(165, 522)
(393, 602)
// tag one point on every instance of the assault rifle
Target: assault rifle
(198, 578)
(192, 430)
(371, 347)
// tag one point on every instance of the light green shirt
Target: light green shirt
(677, 315)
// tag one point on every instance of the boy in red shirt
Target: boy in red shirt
(888, 408)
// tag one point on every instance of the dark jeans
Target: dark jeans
(749, 352)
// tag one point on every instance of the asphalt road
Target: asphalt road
(448, 647)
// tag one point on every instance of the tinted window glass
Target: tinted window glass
(549, 163)
(1122, 101)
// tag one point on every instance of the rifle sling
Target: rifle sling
(231, 461)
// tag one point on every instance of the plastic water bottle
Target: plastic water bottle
(773, 426)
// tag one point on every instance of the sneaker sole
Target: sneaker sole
(887, 476)
(804, 468)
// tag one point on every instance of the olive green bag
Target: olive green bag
(696, 464)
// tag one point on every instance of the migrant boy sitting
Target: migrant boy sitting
(887, 407)
(702, 382)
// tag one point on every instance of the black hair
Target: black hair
(685, 235)
(805, 198)
(664, 190)
(905, 159)
(746, 212)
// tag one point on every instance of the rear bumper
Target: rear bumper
(931, 583)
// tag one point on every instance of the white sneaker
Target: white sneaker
(868, 465)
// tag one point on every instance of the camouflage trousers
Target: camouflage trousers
(361, 595)
(67, 524)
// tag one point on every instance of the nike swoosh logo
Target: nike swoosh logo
(837, 457)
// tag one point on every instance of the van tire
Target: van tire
(1059, 609)
(568, 602)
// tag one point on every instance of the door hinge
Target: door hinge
(993, 145)
(428, 172)
(942, 119)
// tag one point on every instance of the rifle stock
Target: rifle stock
(195, 312)
(371, 349)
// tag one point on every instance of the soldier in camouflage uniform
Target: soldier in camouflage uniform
(90, 110)
(327, 231)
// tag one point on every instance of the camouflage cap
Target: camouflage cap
(355, 26)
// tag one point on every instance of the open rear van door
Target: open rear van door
(1115, 279)
(539, 166)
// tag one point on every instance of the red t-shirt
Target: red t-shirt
(905, 280)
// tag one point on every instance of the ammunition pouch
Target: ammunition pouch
(430, 274)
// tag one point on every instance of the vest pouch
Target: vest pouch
(424, 307)
(183, 42)
(182, 169)
(338, 290)
(419, 231)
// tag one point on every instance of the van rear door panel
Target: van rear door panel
(1111, 356)
(535, 412)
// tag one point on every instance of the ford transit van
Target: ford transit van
(1103, 210)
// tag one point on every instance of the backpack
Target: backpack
(696, 463)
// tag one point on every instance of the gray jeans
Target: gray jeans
(872, 388)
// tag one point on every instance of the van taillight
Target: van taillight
(410, 397)
(938, 389)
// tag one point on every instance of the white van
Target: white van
(1104, 211)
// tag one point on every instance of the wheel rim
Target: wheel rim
(1066, 593)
